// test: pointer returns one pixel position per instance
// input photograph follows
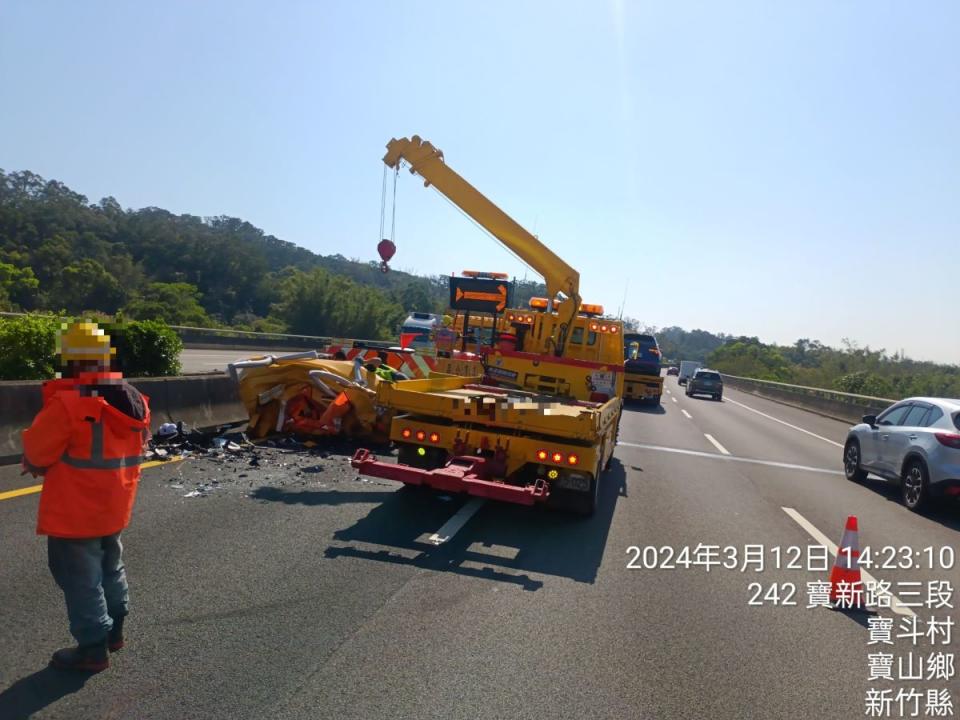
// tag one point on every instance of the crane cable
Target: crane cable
(383, 201)
(393, 218)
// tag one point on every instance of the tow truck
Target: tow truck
(539, 425)
(642, 379)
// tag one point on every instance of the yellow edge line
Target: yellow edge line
(10, 494)
(20, 491)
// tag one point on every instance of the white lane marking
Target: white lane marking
(452, 526)
(669, 393)
(732, 458)
(688, 415)
(717, 445)
(784, 422)
(895, 604)
(674, 399)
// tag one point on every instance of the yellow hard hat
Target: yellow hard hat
(84, 341)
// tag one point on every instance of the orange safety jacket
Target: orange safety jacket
(89, 454)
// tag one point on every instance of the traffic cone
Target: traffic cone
(846, 569)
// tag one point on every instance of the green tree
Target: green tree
(18, 287)
(85, 284)
(175, 303)
(748, 357)
(318, 303)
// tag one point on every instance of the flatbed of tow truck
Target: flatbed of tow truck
(457, 435)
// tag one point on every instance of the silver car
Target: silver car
(915, 443)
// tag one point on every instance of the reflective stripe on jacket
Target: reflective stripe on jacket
(90, 454)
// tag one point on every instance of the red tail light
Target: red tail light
(951, 440)
(407, 432)
(542, 455)
(572, 459)
(434, 437)
(421, 435)
(557, 457)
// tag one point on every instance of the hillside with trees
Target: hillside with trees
(61, 253)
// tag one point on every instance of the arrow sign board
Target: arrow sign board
(480, 294)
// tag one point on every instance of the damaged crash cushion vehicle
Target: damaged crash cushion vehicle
(311, 397)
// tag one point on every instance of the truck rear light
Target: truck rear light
(434, 437)
(542, 455)
(573, 459)
(603, 328)
(951, 440)
(407, 432)
(614, 329)
(557, 457)
(421, 435)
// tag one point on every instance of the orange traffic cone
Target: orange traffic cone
(846, 587)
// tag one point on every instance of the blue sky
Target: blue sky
(771, 169)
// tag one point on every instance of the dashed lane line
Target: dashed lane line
(731, 458)
(718, 446)
(686, 414)
(452, 526)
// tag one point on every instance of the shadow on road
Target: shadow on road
(644, 408)
(502, 543)
(945, 511)
(318, 497)
(33, 693)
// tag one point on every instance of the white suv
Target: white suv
(915, 442)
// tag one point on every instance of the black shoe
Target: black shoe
(115, 637)
(85, 658)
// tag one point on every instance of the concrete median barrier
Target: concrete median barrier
(197, 401)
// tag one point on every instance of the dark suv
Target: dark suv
(648, 357)
(705, 382)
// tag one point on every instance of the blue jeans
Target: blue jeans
(91, 574)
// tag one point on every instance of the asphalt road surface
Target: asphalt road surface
(292, 589)
(197, 360)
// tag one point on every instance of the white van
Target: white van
(687, 369)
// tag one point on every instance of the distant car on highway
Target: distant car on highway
(914, 443)
(673, 370)
(705, 382)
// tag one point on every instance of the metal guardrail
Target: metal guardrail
(847, 407)
(807, 390)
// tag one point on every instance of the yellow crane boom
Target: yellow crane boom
(427, 161)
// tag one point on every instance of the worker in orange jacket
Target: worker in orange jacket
(87, 442)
